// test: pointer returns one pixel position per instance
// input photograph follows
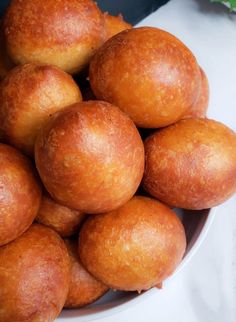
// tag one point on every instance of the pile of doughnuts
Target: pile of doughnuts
(103, 131)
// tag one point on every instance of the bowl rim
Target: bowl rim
(143, 296)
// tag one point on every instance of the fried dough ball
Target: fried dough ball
(148, 73)
(84, 288)
(199, 108)
(34, 276)
(191, 164)
(63, 220)
(62, 33)
(134, 247)
(90, 157)
(115, 25)
(28, 96)
(20, 194)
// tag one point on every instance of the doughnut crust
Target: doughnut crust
(90, 157)
(114, 25)
(62, 33)
(84, 288)
(63, 220)
(34, 276)
(191, 164)
(199, 108)
(29, 95)
(134, 247)
(20, 194)
(147, 72)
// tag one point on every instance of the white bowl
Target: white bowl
(196, 225)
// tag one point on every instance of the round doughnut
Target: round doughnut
(61, 33)
(134, 247)
(28, 96)
(34, 276)
(20, 194)
(147, 72)
(191, 164)
(90, 157)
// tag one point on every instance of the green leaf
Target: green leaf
(232, 3)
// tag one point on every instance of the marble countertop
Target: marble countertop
(205, 290)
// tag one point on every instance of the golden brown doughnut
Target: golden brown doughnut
(115, 25)
(62, 33)
(134, 247)
(28, 96)
(20, 194)
(63, 220)
(148, 73)
(84, 289)
(191, 164)
(34, 276)
(90, 157)
(199, 108)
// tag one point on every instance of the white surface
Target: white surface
(205, 291)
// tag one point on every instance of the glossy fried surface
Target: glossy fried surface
(114, 25)
(90, 157)
(191, 164)
(20, 194)
(199, 108)
(84, 288)
(29, 95)
(34, 276)
(134, 247)
(62, 33)
(63, 220)
(148, 73)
